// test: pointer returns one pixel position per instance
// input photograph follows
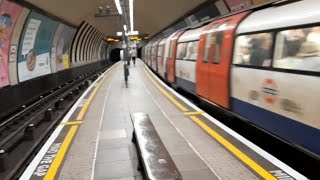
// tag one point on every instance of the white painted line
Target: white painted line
(98, 135)
(33, 165)
(252, 146)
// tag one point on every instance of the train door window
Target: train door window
(208, 44)
(218, 40)
(254, 50)
(181, 51)
(192, 51)
(298, 49)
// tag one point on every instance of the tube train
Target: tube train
(262, 64)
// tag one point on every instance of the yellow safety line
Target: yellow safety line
(247, 160)
(88, 102)
(194, 113)
(59, 157)
(243, 157)
(71, 123)
(174, 101)
(66, 142)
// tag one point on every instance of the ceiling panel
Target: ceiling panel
(150, 16)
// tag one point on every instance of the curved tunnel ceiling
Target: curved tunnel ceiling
(150, 16)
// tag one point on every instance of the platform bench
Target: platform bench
(154, 157)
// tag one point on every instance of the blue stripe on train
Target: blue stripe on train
(187, 85)
(286, 128)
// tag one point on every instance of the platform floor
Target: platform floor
(100, 146)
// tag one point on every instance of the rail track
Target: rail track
(23, 133)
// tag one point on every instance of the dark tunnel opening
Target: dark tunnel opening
(115, 55)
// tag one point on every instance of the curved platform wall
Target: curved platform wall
(33, 43)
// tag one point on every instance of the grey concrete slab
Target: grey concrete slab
(181, 148)
(115, 169)
(113, 143)
(204, 174)
(108, 155)
(189, 162)
(113, 134)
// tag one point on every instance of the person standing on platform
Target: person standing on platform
(133, 54)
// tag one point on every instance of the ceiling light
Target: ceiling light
(118, 6)
(131, 14)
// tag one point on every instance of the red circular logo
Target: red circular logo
(270, 91)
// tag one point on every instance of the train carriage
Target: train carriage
(185, 59)
(262, 64)
(275, 72)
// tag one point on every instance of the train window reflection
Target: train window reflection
(181, 51)
(254, 50)
(298, 49)
(192, 50)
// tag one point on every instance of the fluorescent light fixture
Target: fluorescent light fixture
(133, 33)
(118, 6)
(125, 28)
(131, 14)
(119, 33)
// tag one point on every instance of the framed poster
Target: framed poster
(9, 13)
(35, 47)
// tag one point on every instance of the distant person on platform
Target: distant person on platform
(133, 53)
(121, 54)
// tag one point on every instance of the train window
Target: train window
(181, 51)
(254, 50)
(160, 50)
(192, 51)
(298, 49)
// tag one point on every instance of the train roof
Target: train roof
(191, 35)
(293, 14)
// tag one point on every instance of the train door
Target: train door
(160, 57)
(202, 69)
(221, 37)
(167, 51)
(172, 57)
(219, 65)
(153, 55)
(155, 65)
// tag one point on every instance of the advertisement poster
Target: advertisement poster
(63, 48)
(35, 47)
(9, 13)
(235, 5)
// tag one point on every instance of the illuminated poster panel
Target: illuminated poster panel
(35, 47)
(9, 13)
(63, 48)
(235, 5)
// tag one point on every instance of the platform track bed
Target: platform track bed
(24, 133)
